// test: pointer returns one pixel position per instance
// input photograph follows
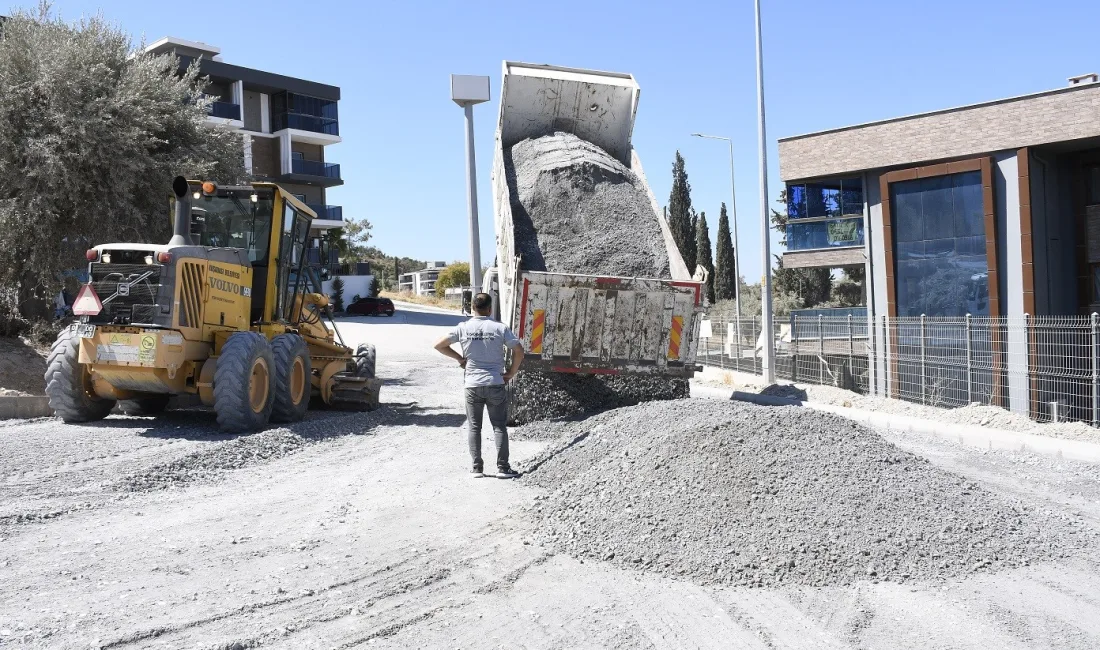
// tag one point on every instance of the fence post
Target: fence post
(969, 365)
(887, 356)
(1095, 319)
(851, 349)
(820, 350)
(923, 369)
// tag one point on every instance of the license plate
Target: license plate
(87, 331)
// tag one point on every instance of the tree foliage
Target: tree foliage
(375, 287)
(454, 275)
(338, 294)
(680, 215)
(354, 237)
(92, 131)
(725, 266)
(703, 252)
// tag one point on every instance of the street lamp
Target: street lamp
(467, 90)
(736, 242)
(767, 361)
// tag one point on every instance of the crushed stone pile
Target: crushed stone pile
(579, 210)
(733, 493)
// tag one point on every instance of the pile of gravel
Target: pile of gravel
(554, 396)
(724, 492)
(579, 210)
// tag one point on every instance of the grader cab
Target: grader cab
(227, 311)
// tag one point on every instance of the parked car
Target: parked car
(371, 307)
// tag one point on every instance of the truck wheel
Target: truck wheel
(144, 405)
(69, 384)
(291, 382)
(243, 387)
(365, 357)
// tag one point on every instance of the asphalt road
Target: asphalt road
(352, 530)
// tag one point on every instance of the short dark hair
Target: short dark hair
(483, 302)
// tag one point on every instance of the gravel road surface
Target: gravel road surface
(365, 530)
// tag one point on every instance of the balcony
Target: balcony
(328, 212)
(225, 110)
(301, 122)
(313, 172)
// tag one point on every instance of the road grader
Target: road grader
(235, 318)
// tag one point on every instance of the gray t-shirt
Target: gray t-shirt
(483, 342)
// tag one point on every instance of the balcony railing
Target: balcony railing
(328, 212)
(315, 168)
(302, 122)
(831, 233)
(225, 110)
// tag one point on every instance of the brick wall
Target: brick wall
(265, 157)
(1056, 116)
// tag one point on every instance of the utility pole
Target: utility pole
(767, 364)
(467, 90)
(736, 241)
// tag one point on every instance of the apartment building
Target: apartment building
(421, 282)
(286, 124)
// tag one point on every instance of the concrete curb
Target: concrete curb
(16, 407)
(980, 437)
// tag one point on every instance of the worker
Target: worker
(483, 342)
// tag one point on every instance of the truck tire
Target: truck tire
(292, 380)
(365, 358)
(68, 384)
(243, 387)
(144, 405)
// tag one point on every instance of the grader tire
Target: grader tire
(291, 381)
(365, 360)
(144, 405)
(67, 383)
(243, 383)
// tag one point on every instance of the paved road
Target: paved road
(351, 530)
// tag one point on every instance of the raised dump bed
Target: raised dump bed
(587, 273)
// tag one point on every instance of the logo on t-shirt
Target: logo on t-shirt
(481, 336)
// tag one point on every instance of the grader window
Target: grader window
(232, 220)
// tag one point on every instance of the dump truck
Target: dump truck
(234, 318)
(580, 322)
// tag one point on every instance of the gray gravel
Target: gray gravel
(740, 494)
(554, 396)
(578, 210)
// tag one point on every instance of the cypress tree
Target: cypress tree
(703, 254)
(725, 267)
(680, 216)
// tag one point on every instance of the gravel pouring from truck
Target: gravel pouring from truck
(582, 320)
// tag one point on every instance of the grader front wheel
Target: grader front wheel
(243, 391)
(69, 384)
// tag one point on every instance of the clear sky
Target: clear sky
(827, 64)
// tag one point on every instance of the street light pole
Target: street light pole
(767, 364)
(467, 90)
(736, 241)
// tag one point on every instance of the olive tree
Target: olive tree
(92, 131)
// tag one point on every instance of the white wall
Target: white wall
(353, 284)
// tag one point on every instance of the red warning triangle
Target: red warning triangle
(87, 302)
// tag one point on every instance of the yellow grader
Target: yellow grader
(235, 318)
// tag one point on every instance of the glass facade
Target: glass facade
(940, 246)
(825, 214)
(294, 111)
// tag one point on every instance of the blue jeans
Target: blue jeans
(495, 399)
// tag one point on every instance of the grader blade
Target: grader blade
(355, 393)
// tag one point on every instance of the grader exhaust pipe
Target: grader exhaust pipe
(181, 231)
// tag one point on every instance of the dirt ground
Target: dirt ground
(21, 367)
(370, 533)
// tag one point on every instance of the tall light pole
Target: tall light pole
(736, 242)
(767, 363)
(467, 90)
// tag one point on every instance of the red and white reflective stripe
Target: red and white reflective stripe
(87, 303)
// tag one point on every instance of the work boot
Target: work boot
(479, 470)
(505, 471)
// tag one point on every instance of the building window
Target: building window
(1093, 179)
(940, 246)
(825, 214)
(294, 111)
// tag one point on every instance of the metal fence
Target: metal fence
(1045, 367)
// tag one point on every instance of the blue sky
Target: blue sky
(827, 64)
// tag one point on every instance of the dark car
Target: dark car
(371, 307)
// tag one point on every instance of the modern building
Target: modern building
(285, 123)
(986, 211)
(421, 282)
